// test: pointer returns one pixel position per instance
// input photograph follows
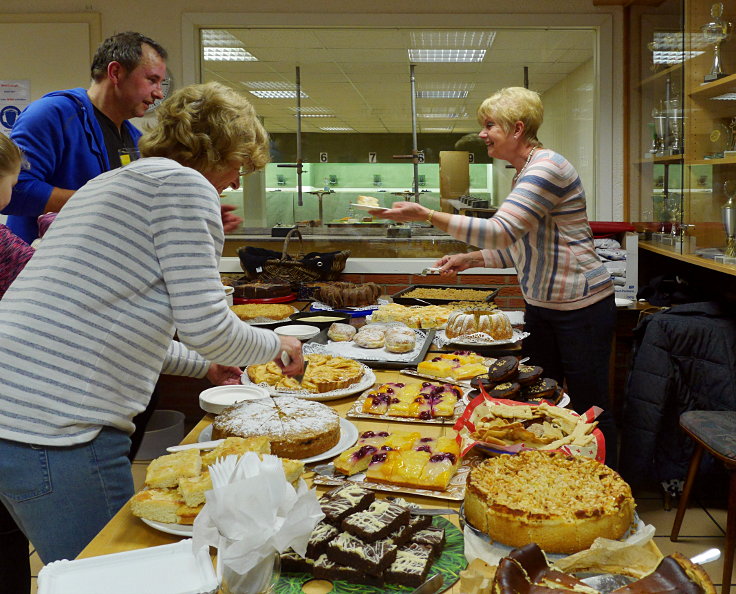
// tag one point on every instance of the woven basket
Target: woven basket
(298, 269)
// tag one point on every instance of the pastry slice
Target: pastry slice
(165, 471)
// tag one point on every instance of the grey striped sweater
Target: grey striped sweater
(87, 326)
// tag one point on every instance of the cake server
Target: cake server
(285, 359)
(443, 380)
(201, 445)
(608, 582)
(431, 586)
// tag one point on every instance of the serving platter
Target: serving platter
(261, 321)
(454, 492)
(183, 530)
(467, 398)
(478, 339)
(365, 382)
(403, 298)
(450, 563)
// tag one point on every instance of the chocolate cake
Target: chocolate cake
(541, 389)
(377, 522)
(419, 522)
(348, 499)
(341, 294)
(321, 536)
(432, 536)
(528, 374)
(292, 562)
(503, 369)
(372, 557)
(258, 290)
(411, 565)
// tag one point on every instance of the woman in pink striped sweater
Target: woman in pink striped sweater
(541, 229)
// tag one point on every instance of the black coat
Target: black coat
(686, 360)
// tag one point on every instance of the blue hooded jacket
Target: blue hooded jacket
(63, 143)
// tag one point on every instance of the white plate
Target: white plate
(348, 436)
(516, 337)
(623, 302)
(366, 381)
(300, 331)
(216, 399)
(367, 208)
(564, 401)
(175, 529)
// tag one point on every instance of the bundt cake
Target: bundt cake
(338, 295)
(494, 323)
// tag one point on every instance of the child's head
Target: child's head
(10, 162)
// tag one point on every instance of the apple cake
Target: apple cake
(324, 373)
(296, 428)
(561, 502)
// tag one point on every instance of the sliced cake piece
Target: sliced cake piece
(159, 505)
(321, 536)
(324, 569)
(165, 471)
(343, 501)
(371, 557)
(292, 562)
(411, 565)
(398, 467)
(432, 536)
(377, 522)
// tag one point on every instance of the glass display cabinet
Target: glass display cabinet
(682, 149)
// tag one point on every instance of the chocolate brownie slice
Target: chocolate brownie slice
(411, 565)
(419, 522)
(377, 522)
(432, 537)
(292, 562)
(324, 569)
(321, 536)
(371, 557)
(343, 501)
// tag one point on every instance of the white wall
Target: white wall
(569, 115)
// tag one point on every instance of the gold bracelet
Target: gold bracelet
(429, 217)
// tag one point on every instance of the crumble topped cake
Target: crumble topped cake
(296, 428)
(561, 502)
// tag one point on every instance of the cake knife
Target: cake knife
(432, 585)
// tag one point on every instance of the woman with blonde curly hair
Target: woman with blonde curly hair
(130, 260)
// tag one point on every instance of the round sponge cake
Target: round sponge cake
(296, 428)
(561, 502)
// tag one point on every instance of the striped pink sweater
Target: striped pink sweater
(14, 254)
(542, 229)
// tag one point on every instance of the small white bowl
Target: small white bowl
(300, 331)
(228, 294)
(215, 400)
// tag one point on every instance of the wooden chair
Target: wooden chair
(715, 432)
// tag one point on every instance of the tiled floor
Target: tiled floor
(704, 526)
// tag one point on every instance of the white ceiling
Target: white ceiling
(361, 76)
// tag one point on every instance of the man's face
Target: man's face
(140, 87)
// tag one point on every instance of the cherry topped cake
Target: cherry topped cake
(458, 365)
(402, 458)
(421, 401)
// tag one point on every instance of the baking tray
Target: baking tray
(399, 297)
(387, 363)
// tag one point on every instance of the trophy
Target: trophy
(728, 213)
(716, 32)
(659, 143)
(675, 125)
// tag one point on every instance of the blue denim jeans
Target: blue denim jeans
(61, 497)
(574, 347)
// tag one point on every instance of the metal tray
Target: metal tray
(387, 363)
(399, 297)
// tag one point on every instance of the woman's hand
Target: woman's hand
(403, 212)
(224, 375)
(230, 222)
(293, 348)
(458, 262)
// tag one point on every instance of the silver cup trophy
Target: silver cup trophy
(728, 213)
(716, 32)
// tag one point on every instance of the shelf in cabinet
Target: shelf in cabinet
(659, 75)
(665, 160)
(721, 161)
(718, 87)
(671, 252)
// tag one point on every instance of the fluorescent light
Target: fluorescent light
(228, 54)
(446, 55)
(336, 129)
(269, 84)
(444, 129)
(442, 94)
(442, 116)
(312, 109)
(278, 94)
(462, 39)
(725, 97)
(219, 38)
(317, 115)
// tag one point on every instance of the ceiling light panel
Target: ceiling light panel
(454, 39)
(442, 94)
(446, 55)
(278, 94)
(219, 38)
(228, 54)
(268, 85)
(336, 129)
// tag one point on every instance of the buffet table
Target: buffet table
(125, 532)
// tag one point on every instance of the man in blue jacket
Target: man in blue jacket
(71, 136)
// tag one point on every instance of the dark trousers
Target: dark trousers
(15, 565)
(574, 347)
